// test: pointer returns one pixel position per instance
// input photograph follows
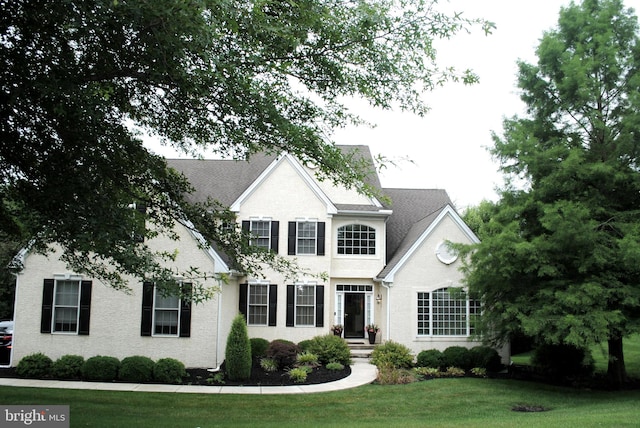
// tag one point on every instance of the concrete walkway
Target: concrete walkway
(362, 373)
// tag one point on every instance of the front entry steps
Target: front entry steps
(360, 348)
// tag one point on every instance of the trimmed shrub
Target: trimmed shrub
(34, 366)
(68, 367)
(486, 358)
(258, 347)
(238, 354)
(304, 345)
(330, 349)
(392, 354)
(101, 368)
(457, 356)
(430, 358)
(283, 352)
(558, 361)
(136, 369)
(169, 370)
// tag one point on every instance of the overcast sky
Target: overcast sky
(448, 146)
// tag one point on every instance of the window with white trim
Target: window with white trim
(261, 233)
(445, 313)
(356, 239)
(305, 305)
(166, 314)
(306, 237)
(258, 302)
(66, 305)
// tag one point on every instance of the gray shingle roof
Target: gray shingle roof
(413, 212)
(413, 209)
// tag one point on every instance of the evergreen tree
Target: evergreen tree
(560, 261)
(238, 353)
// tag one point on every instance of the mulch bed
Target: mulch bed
(201, 376)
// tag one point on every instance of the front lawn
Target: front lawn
(439, 402)
(599, 353)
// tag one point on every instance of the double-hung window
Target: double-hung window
(445, 313)
(259, 303)
(305, 305)
(264, 233)
(66, 305)
(165, 315)
(258, 313)
(306, 237)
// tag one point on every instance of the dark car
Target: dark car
(6, 340)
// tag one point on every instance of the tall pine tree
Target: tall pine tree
(560, 259)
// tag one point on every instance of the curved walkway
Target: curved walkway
(362, 373)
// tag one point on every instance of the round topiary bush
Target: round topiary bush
(137, 369)
(34, 366)
(486, 358)
(101, 368)
(393, 355)
(283, 352)
(169, 370)
(258, 347)
(430, 358)
(68, 367)
(457, 356)
(330, 349)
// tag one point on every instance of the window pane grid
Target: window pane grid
(441, 314)
(261, 231)
(258, 304)
(305, 305)
(356, 239)
(66, 303)
(306, 237)
(166, 314)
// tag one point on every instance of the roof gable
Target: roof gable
(418, 234)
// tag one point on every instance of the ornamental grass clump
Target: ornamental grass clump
(238, 354)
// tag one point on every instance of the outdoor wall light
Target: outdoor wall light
(379, 298)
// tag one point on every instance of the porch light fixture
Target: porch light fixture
(379, 298)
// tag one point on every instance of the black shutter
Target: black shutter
(292, 239)
(185, 310)
(85, 307)
(273, 301)
(291, 305)
(147, 309)
(246, 227)
(275, 231)
(47, 306)
(319, 305)
(242, 307)
(140, 223)
(320, 240)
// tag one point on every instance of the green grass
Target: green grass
(440, 402)
(599, 353)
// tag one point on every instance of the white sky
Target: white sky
(448, 147)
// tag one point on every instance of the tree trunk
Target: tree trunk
(616, 370)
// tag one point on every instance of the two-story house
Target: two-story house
(384, 263)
